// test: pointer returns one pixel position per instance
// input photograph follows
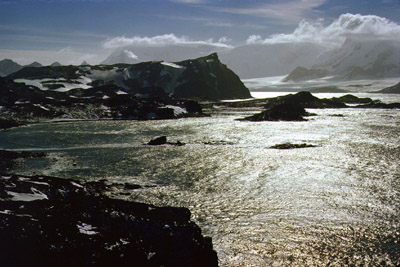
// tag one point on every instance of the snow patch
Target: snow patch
(86, 229)
(36, 195)
(5, 212)
(177, 110)
(76, 184)
(121, 92)
(173, 65)
(42, 107)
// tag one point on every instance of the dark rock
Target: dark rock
(306, 100)
(132, 186)
(8, 123)
(162, 140)
(351, 99)
(105, 101)
(291, 107)
(47, 221)
(280, 112)
(291, 146)
(193, 107)
(208, 78)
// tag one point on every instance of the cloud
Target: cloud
(334, 34)
(292, 11)
(224, 40)
(157, 41)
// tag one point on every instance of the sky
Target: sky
(72, 31)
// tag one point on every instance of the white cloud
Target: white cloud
(158, 41)
(334, 34)
(224, 40)
(292, 11)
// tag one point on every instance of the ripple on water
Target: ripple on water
(334, 204)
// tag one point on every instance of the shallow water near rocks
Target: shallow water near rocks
(336, 203)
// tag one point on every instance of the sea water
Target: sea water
(336, 203)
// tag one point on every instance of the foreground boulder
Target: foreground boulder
(59, 222)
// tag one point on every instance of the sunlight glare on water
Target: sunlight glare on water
(336, 203)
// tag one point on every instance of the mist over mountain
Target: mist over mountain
(263, 60)
(248, 61)
(351, 46)
(355, 59)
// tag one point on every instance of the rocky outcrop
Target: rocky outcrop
(27, 103)
(280, 112)
(208, 78)
(291, 146)
(162, 140)
(47, 221)
(8, 123)
(292, 107)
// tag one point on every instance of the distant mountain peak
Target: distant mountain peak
(56, 64)
(7, 66)
(34, 64)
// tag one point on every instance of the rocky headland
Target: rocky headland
(48, 221)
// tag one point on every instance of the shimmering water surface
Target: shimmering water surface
(336, 203)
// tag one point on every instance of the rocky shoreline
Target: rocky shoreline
(292, 107)
(48, 221)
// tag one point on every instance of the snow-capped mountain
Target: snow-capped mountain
(204, 77)
(355, 59)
